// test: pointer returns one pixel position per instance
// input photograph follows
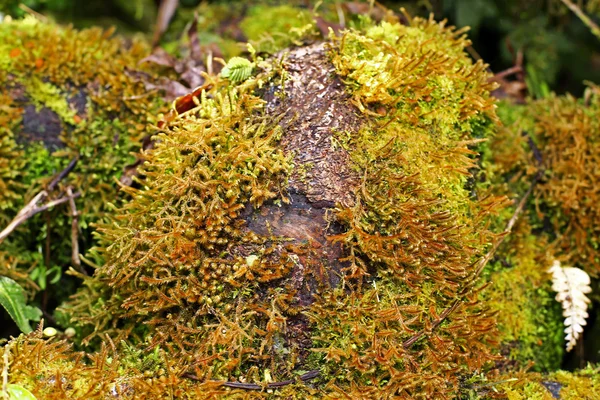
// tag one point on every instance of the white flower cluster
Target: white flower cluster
(570, 285)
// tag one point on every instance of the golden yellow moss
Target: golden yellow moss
(583, 384)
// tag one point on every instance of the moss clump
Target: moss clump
(550, 144)
(170, 257)
(183, 267)
(529, 319)
(564, 135)
(65, 95)
(567, 133)
(415, 230)
(51, 370)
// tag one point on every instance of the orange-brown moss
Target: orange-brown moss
(11, 157)
(550, 144)
(557, 136)
(51, 370)
(415, 230)
(169, 257)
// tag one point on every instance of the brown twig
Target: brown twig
(62, 174)
(584, 18)
(507, 72)
(74, 232)
(310, 375)
(166, 10)
(32, 207)
(413, 339)
(31, 11)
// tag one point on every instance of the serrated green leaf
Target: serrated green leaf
(238, 69)
(16, 392)
(12, 299)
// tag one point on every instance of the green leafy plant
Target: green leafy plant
(13, 300)
(237, 70)
(42, 275)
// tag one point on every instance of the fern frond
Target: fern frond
(238, 69)
(570, 285)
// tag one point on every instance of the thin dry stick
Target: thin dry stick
(409, 342)
(32, 207)
(23, 214)
(31, 11)
(166, 10)
(511, 223)
(584, 18)
(310, 375)
(505, 73)
(63, 174)
(74, 232)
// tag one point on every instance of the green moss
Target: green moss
(190, 290)
(79, 104)
(47, 95)
(583, 384)
(221, 25)
(529, 319)
(287, 26)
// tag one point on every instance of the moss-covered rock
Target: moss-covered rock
(316, 217)
(312, 224)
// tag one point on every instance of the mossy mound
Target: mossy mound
(529, 319)
(559, 136)
(318, 216)
(548, 146)
(312, 225)
(64, 95)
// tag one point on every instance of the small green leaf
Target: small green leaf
(57, 272)
(16, 392)
(238, 69)
(12, 299)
